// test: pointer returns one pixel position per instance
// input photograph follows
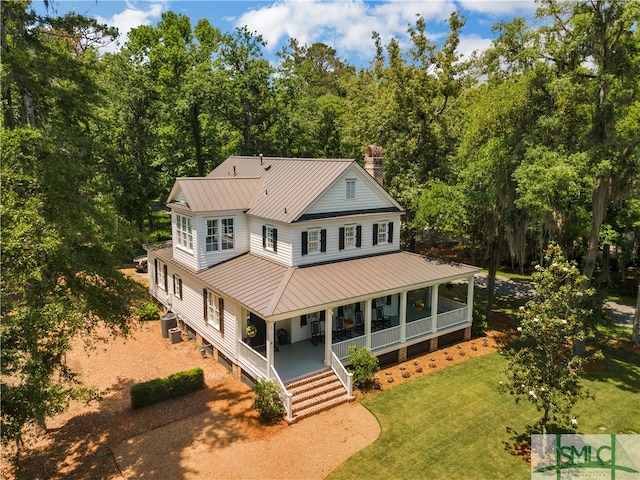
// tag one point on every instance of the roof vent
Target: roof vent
(261, 159)
(234, 171)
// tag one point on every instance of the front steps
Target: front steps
(315, 394)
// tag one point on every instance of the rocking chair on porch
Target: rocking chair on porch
(381, 320)
(316, 333)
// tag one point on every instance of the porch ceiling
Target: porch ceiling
(273, 290)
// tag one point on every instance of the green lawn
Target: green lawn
(455, 424)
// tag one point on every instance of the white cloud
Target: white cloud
(500, 7)
(129, 19)
(472, 43)
(346, 25)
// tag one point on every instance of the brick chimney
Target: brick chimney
(374, 162)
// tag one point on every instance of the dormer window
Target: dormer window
(184, 232)
(220, 234)
(351, 189)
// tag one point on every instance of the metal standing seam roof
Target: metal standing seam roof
(270, 289)
(205, 194)
(289, 185)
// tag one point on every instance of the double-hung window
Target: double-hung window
(314, 241)
(184, 232)
(161, 274)
(214, 310)
(177, 286)
(270, 238)
(350, 237)
(382, 233)
(220, 234)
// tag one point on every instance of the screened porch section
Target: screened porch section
(401, 318)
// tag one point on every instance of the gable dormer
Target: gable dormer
(208, 220)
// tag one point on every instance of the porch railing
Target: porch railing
(252, 360)
(418, 328)
(341, 349)
(454, 317)
(341, 372)
(383, 338)
(285, 395)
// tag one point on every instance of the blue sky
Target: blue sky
(346, 25)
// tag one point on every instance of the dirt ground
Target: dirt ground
(210, 434)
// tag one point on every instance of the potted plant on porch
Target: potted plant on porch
(418, 305)
(282, 335)
(251, 331)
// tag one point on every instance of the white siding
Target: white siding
(181, 255)
(333, 239)
(241, 238)
(368, 195)
(283, 255)
(190, 309)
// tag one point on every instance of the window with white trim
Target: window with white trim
(351, 189)
(213, 310)
(161, 273)
(269, 238)
(220, 234)
(382, 232)
(313, 241)
(177, 286)
(184, 232)
(349, 236)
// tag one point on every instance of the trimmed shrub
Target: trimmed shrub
(148, 311)
(160, 389)
(479, 324)
(364, 365)
(267, 401)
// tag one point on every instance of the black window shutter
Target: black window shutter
(359, 236)
(166, 280)
(341, 240)
(275, 240)
(303, 320)
(305, 246)
(323, 316)
(180, 288)
(388, 299)
(357, 307)
(390, 232)
(264, 236)
(221, 314)
(204, 302)
(323, 240)
(175, 286)
(340, 311)
(155, 271)
(375, 233)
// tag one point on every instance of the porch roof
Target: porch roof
(275, 291)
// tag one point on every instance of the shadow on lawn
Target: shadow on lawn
(86, 446)
(618, 368)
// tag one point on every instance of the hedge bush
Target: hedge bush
(364, 366)
(160, 389)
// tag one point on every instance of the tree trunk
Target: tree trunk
(636, 322)
(600, 201)
(197, 137)
(495, 256)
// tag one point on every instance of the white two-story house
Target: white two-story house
(307, 252)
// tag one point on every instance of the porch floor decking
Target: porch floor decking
(294, 360)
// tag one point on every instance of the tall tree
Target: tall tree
(59, 246)
(595, 48)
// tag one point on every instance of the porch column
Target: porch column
(269, 349)
(367, 322)
(434, 309)
(403, 317)
(328, 335)
(470, 298)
